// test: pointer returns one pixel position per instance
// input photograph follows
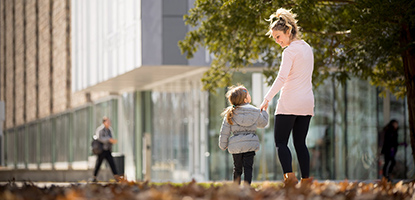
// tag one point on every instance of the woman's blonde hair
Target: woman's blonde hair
(284, 20)
(236, 96)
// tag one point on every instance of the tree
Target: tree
(371, 39)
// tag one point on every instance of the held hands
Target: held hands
(113, 141)
(264, 105)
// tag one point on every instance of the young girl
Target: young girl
(241, 120)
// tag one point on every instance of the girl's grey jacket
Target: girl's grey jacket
(246, 120)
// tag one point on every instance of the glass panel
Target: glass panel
(126, 137)
(218, 160)
(320, 138)
(10, 145)
(81, 135)
(32, 134)
(104, 109)
(177, 148)
(62, 138)
(46, 141)
(339, 147)
(21, 146)
(361, 130)
(406, 148)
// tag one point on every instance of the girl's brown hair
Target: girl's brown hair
(284, 20)
(236, 96)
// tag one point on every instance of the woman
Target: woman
(390, 147)
(296, 103)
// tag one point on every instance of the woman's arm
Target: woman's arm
(285, 68)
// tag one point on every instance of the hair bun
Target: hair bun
(284, 20)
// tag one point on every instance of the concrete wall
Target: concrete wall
(31, 61)
(44, 73)
(61, 80)
(54, 175)
(18, 62)
(2, 50)
(9, 63)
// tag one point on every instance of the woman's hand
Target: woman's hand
(264, 105)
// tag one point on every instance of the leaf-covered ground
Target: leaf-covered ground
(218, 190)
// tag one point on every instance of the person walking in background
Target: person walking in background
(104, 134)
(296, 103)
(241, 121)
(389, 147)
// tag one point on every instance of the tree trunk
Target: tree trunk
(408, 58)
(410, 86)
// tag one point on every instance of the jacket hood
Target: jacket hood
(246, 115)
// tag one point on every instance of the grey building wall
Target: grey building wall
(151, 32)
(173, 30)
(162, 28)
(201, 57)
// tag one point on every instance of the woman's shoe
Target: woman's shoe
(94, 179)
(306, 182)
(290, 179)
(117, 178)
(386, 179)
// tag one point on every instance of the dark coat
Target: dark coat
(390, 142)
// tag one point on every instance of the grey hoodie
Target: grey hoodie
(246, 120)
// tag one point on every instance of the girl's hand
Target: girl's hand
(264, 105)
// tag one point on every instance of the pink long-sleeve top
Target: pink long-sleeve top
(294, 81)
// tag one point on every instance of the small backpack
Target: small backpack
(96, 147)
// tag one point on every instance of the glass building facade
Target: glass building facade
(342, 139)
(178, 139)
(171, 134)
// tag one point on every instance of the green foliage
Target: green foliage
(375, 47)
(348, 37)
(234, 34)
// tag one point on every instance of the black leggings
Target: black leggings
(243, 162)
(282, 129)
(107, 155)
(389, 164)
